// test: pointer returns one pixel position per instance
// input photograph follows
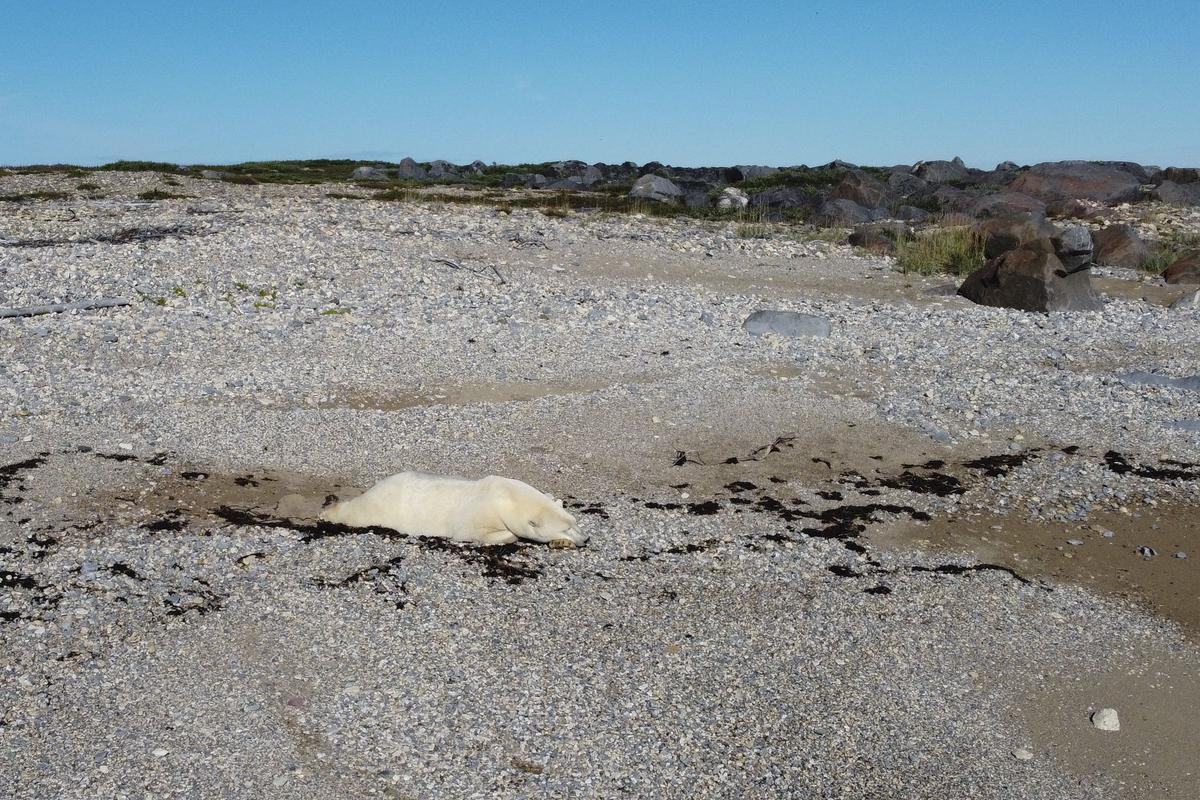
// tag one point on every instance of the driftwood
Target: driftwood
(58, 308)
(473, 270)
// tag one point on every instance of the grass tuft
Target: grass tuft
(159, 194)
(958, 251)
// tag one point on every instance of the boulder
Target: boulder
(841, 213)
(912, 214)
(411, 170)
(1177, 194)
(942, 171)
(1005, 204)
(657, 188)
(1185, 269)
(572, 184)
(732, 198)
(442, 169)
(1120, 246)
(1073, 246)
(786, 323)
(1176, 175)
(368, 174)
(1001, 234)
(651, 168)
(1060, 180)
(860, 188)
(1031, 278)
(213, 174)
(785, 197)
(905, 185)
(879, 237)
(950, 198)
(1189, 302)
(751, 171)
(591, 176)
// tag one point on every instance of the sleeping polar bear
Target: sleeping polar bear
(492, 510)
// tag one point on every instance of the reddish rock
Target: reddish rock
(1064, 180)
(1031, 278)
(859, 187)
(1119, 246)
(1185, 269)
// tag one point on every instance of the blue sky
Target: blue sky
(684, 83)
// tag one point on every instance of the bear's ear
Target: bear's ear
(558, 503)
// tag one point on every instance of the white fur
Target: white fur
(492, 510)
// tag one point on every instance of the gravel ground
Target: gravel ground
(174, 624)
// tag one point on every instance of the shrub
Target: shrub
(957, 250)
(158, 194)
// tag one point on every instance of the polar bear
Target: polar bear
(490, 511)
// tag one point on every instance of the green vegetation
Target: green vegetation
(158, 194)
(38, 195)
(88, 187)
(141, 166)
(344, 196)
(330, 312)
(1170, 247)
(957, 250)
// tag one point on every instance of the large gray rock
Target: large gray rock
(591, 176)
(912, 214)
(1080, 180)
(1177, 194)
(368, 174)
(861, 188)
(1190, 383)
(785, 197)
(942, 171)
(786, 323)
(1120, 246)
(1189, 302)
(1004, 204)
(753, 171)
(1031, 278)
(839, 213)
(442, 169)
(411, 170)
(732, 198)
(1073, 246)
(657, 188)
(905, 185)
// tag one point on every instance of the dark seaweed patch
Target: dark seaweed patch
(171, 521)
(246, 480)
(936, 483)
(118, 457)
(707, 508)
(881, 589)
(9, 472)
(830, 495)
(663, 506)
(120, 568)
(740, 486)
(680, 485)
(957, 569)
(999, 465)
(934, 463)
(843, 571)
(495, 562)
(10, 578)
(1180, 470)
(191, 475)
(847, 522)
(158, 459)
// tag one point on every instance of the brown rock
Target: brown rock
(1061, 180)
(1119, 246)
(859, 187)
(1031, 278)
(1001, 234)
(1185, 269)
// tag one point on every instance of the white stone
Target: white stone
(1106, 720)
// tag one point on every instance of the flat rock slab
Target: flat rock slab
(786, 323)
(1190, 383)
